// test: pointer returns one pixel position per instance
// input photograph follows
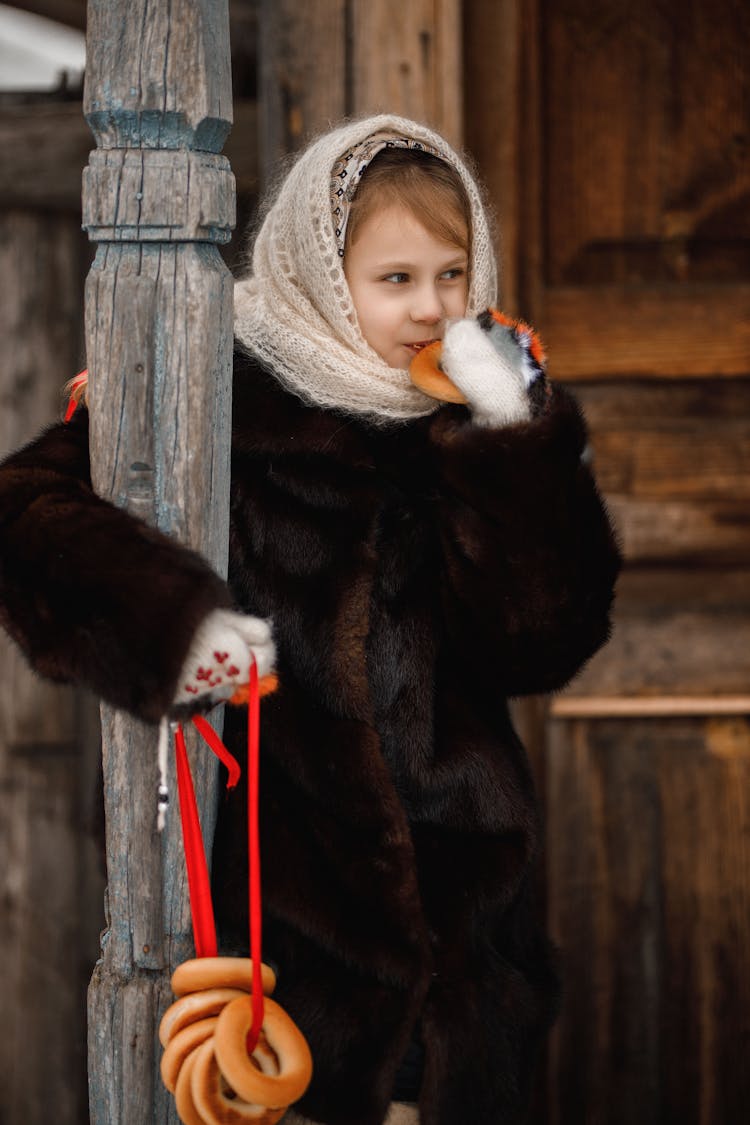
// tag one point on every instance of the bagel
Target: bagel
(283, 1037)
(183, 1094)
(217, 1102)
(196, 1006)
(202, 973)
(425, 373)
(179, 1047)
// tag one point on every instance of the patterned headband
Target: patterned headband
(349, 169)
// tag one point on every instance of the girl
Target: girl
(421, 564)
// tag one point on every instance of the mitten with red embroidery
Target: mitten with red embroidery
(498, 365)
(220, 655)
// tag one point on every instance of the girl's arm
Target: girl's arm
(90, 593)
(530, 557)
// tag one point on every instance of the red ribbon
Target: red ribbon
(74, 399)
(210, 736)
(253, 851)
(199, 887)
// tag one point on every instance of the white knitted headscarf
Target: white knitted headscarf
(295, 312)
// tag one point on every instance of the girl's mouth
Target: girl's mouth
(421, 344)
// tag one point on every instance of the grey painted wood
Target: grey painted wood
(157, 199)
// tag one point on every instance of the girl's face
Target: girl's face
(405, 283)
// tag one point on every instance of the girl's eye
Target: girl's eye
(451, 275)
(397, 278)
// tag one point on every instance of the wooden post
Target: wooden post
(157, 198)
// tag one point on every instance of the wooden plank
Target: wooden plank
(667, 532)
(693, 462)
(42, 262)
(676, 633)
(661, 406)
(407, 59)
(159, 350)
(671, 441)
(327, 59)
(492, 77)
(51, 886)
(45, 939)
(45, 146)
(673, 459)
(648, 824)
(641, 707)
(650, 194)
(302, 74)
(646, 331)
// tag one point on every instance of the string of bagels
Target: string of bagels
(232, 1055)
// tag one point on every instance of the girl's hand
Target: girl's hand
(219, 658)
(492, 364)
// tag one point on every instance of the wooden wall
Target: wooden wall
(615, 141)
(52, 877)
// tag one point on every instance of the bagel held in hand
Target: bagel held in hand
(218, 662)
(493, 363)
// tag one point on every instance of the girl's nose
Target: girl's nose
(427, 307)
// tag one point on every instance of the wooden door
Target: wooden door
(615, 140)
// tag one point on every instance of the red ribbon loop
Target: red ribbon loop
(210, 736)
(199, 886)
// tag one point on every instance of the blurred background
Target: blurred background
(614, 140)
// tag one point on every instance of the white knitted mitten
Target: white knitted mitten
(218, 660)
(492, 365)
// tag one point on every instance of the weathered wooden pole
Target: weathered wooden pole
(157, 198)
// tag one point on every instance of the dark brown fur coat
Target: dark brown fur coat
(418, 576)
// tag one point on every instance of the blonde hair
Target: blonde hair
(424, 184)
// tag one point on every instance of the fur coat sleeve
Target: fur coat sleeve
(89, 593)
(529, 554)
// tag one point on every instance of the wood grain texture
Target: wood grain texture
(51, 888)
(407, 59)
(640, 234)
(673, 460)
(653, 171)
(676, 632)
(650, 904)
(51, 181)
(303, 74)
(159, 353)
(643, 707)
(148, 195)
(665, 332)
(160, 76)
(492, 60)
